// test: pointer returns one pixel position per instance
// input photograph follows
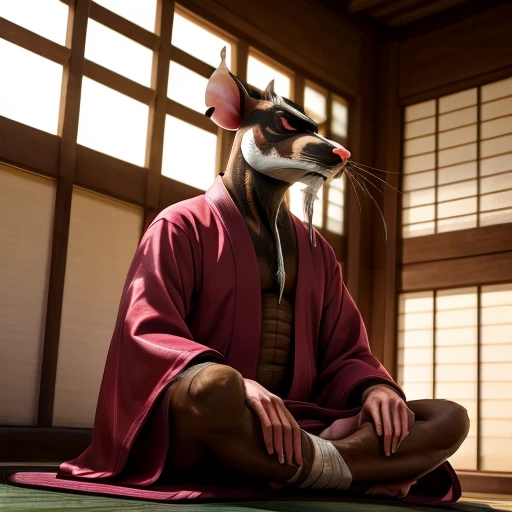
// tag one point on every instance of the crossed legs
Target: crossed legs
(208, 415)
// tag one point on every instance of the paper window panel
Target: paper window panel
(419, 180)
(458, 101)
(457, 191)
(315, 104)
(495, 165)
(497, 90)
(421, 229)
(140, 12)
(112, 123)
(497, 217)
(465, 458)
(496, 183)
(457, 119)
(419, 145)
(187, 87)
(420, 110)
(419, 197)
(336, 201)
(414, 164)
(30, 87)
(415, 344)
(339, 121)
(496, 201)
(418, 214)
(458, 136)
(260, 74)
(457, 208)
(496, 127)
(27, 210)
(103, 236)
(181, 141)
(198, 42)
(457, 173)
(456, 223)
(119, 53)
(457, 155)
(48, 18)
(496, 146)
(420, 128)
(496, 108)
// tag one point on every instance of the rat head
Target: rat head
(275, 136)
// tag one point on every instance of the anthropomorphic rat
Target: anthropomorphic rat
(239, 351)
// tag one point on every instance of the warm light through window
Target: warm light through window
(48, 18)
(187, 87)
(259, 74)
(30, 87)
(189, 154)
(199, 42)
(118, 53)
(112, 123)
(141, 12)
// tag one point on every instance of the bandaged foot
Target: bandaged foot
(329, 470)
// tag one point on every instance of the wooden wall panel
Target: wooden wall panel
(457, 272)
(26, 213)
(297, 33)
(457, 53)
(104, 234)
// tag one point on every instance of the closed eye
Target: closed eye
(287, 125)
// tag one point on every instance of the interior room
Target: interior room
(102, 126)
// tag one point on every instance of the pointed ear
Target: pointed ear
(269, 91)
(225, 97)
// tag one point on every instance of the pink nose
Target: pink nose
(342, 152)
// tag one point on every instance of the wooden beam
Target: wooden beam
(190, 116)
(110, 176)
(123, 26)
(33, 42)
(158, 108)
(363, 5)
(68, 129)
(118, 82)
(457, 244)
(29, 148)
(457, 272)
(172, 192)
(22, 444)
(191, 62)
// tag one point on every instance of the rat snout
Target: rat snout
(343, 153)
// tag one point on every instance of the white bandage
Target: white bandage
(329, 470)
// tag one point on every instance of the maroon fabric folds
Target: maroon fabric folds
(193, 293)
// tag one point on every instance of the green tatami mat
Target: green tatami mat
(18, 499)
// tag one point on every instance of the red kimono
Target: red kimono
(193, 293)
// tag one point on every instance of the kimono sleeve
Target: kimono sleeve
(151, 344)
(345, 364)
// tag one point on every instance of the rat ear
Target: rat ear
(269, 91)
(225, 97)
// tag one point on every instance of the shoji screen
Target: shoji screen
(26, 213)
(457, 166)
(457, 344)
(104, 234)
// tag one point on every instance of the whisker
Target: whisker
(374, 168)
(380, 211)
(351, 178)
(355, 166)
(369, 181)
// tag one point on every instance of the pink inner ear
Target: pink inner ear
(223, 94)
